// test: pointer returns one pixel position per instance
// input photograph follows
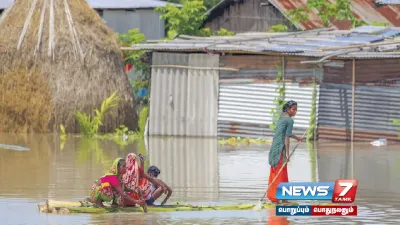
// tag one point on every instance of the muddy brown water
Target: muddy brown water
(199, 171)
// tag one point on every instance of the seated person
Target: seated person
(109, 188)
(156, 190)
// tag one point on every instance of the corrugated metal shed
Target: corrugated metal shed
(244, 109)
(317, 43)
(184, 101)
(362, 9)
(375, 107)
(147, 20)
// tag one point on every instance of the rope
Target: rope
(41, 26)
(51, 29)
(26, 25)
(72, 27)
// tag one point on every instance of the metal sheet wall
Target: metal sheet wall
(244, 108)
(184, 102)
(375, 107)
(189, 164)
(147, 20)
(369, 72)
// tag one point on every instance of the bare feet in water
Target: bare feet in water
(99, 204)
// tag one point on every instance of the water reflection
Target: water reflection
(276, 220)
(26, 172)
(190, 165)
(198, 170)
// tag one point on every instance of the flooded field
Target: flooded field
(199, 171)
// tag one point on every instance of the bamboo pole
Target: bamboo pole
(353, 99)
(283, 76)
(195, 68)
(361, 45)
(327, 57)
(352, 160)
(352, 118)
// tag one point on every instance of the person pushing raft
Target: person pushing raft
(279, 151)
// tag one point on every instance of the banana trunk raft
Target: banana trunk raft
(64, 207)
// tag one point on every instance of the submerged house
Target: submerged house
(226, 86)
(259, 15)
(123, 15)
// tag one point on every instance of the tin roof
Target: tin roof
(361, 42)
(5, 3)
(108, 4)
(365, 10)
(126, 4)
(388, 2)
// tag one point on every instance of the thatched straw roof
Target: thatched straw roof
(59, 54)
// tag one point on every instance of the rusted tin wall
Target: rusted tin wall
(377, 72)
(189, 164)
(246, 97)
(184, 102)
(377, 100)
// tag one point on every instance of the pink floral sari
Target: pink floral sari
(132, 180)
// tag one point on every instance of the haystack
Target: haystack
(56, 57)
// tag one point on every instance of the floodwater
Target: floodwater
(199, 171)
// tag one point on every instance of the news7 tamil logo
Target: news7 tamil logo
(340, 191)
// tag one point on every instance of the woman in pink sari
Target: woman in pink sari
(135, 179)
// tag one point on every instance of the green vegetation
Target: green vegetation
(207, 3)
(313, 160)
(224, 32)
(134, 57)
(237, 141)
(327, 12)
(279, 100)
(397, 123)
(185, 20)
(188, 19)
(89, 148)
(278, 28)
(313, 116)
(380, 24)
(123, 136)
(89, 125)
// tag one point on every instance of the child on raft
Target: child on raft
(279, 151)
(157, 191)
(135, 179)
(109, 187)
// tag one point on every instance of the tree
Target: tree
(207, 3)
(134, 57)
(327, 12)
(187, 19)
